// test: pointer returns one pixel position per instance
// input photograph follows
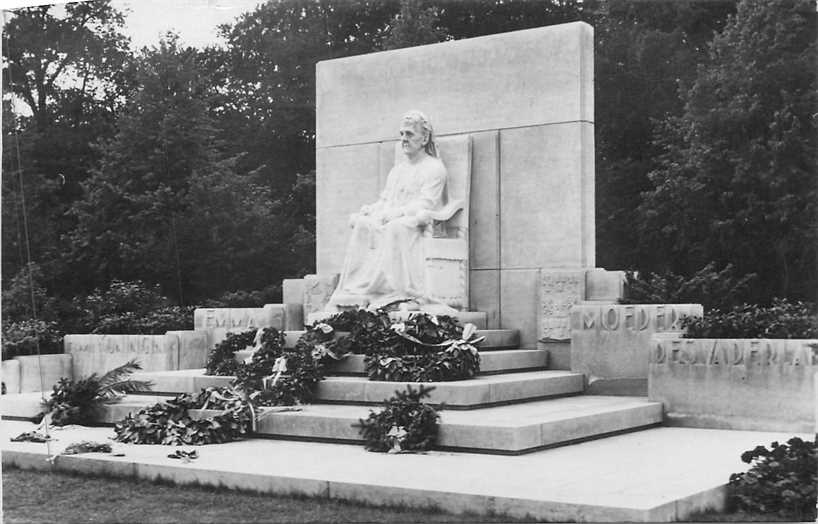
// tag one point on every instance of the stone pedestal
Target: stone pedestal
(54, 367)
(610, 343)
(745, 384)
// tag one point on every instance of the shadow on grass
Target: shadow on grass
(59, 497)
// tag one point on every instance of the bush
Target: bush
(404, 423)
(269, 295)
(17, 296)
(708, 287)
(129, 308)
(782, 480)
(157, 322)
(21, 338)
(784, 319)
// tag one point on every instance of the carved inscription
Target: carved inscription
(271, 315)
(559, 292)
(317, 291)
(635, 318)
(747, 353)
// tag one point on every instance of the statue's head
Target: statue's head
(423, 126)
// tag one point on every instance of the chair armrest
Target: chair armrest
(448, 211)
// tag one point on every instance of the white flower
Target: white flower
(400, 327)
(324, 328)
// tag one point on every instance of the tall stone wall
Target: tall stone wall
(526, 98)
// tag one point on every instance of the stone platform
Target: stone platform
(660, 474)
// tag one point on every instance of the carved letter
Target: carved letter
(738, 354)
(628, 318)
(644, 319)
(606, 319)
(660, 316)
(659, 354)
(588, 318)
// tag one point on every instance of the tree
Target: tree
(71, 73)
(645, 52)
(413, 26)
(736, 181)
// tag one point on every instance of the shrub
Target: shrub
(17, 296)
(21, 338)
(258, 298)
(404, 423)
(157, 322)
(129, 308)
(708, 287)
(782, 480)
(784, 319)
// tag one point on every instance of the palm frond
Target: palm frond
(113, 392)
(118, 374)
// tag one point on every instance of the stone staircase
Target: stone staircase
(515, 405)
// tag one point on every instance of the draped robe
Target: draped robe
(384, 259)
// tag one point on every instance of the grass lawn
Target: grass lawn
(34, 496)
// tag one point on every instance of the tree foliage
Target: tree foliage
(194, 169)
(736, 179)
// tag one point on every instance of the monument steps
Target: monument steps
(512, 430)
(506, 430)
(481, 391)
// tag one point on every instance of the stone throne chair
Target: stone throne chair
(446, 236)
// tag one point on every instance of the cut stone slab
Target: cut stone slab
(27, 405)
(513, 429)
(490, 362)
(480, 391)
(661, 474)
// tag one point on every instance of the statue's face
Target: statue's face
(412, 138)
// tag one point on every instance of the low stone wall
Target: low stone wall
(22, 374)
(610, 342)
(748, 384)
(101, 353)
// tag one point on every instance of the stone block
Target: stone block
(271, 315)
(612, 342)
(559, 354)
(193, 348)
(544, 197)
(347, 178)
(519, 304)
(484, 220)
(54, 367)
(743, 384)
(293, 317)
(317, 290)
(603, 285)
(484, 294)
(292, 290)
(516, 79)
(560, 290)
(101, 353)
(11, 376)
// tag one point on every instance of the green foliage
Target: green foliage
(241, 298)
(172, 424)
(412, 350)
(644, 52)
(434, 366)
(413, 26)
(782, 480)
(128, 308)
(783, 319)
(709, 287)
(736, 178)
(220, 360)
(80, 402)
(18, 294)
(22, 338)
(404, 424)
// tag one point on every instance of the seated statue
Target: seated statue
(384, 259)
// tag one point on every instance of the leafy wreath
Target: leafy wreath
(405, 424)
(171, 423)
(423, 348)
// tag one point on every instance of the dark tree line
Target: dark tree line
(194, 168)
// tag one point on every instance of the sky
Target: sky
(194, 20)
